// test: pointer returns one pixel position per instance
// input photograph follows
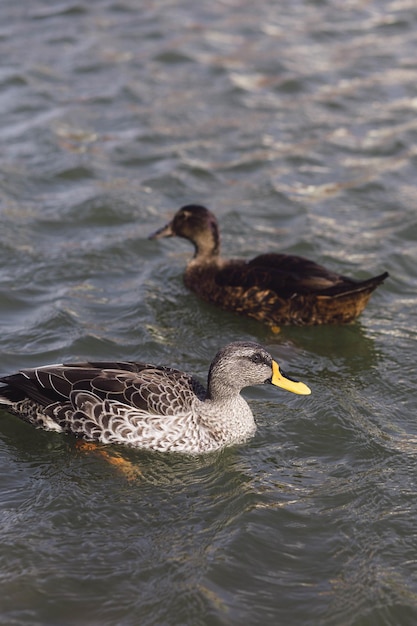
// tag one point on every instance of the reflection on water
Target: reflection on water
(350, 348)
(296, 125)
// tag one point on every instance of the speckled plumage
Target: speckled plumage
(273, 288)
(146, 406)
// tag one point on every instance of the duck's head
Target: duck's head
(198, 225)
(243, 364)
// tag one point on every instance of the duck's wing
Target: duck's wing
(287, 275)
(146, 388)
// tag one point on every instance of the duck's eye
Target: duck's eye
(257, 358)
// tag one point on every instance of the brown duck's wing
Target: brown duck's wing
(285, 274)
(158, 390)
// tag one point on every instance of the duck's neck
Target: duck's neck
(221, 386)
(218, 393)
(207, 245)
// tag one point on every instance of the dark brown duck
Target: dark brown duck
(272, 288)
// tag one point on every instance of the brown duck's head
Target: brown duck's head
(198, 225)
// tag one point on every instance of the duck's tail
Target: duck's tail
(364, 286)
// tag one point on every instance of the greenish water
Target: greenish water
(295, 122)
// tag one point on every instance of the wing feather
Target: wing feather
(282, 273)
(157, 390)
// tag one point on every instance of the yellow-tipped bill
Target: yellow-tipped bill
(280, 380)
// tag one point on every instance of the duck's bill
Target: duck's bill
(285, 382)
(165, 231)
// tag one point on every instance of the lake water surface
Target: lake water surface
(296, 123)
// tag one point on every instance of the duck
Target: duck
(147, 406)
(275, 289)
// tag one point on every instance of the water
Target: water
(295, 122)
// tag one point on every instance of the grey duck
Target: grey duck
(272, 288)
(147, 406)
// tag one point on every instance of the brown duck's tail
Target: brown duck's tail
(358, 287)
